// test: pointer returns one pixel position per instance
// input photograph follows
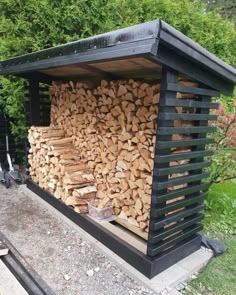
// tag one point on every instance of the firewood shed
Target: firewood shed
(141, 96)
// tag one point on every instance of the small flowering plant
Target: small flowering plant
(224, 158)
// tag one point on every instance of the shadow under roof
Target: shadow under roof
(138, 51)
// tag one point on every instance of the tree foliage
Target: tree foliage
(30, 25)
(227, 8)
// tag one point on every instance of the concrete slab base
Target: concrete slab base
(165, 282)
(8, 283)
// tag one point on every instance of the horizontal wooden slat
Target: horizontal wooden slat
(44, 120)
(181, 168)
(161, 234)
(191, 103)
(185, 130)
(45, 107)
(184, 143)
(182, 156)
(44, 123)
(42, 93)
(3, 151)
(186, 117)
(44, 114)
(178, 193)
(192, 90)
(178, 180)
(152, 251)
(45, 103)
(46, 110)
(175, 217)
(44, 99)
(177, 205)
(43, 90)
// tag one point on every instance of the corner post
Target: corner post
(34, 102)
(168, 76)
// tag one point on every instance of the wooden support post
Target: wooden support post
(34, 102)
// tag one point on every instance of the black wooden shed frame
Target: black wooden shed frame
(146, 51)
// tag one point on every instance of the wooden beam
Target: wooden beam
(34, 102)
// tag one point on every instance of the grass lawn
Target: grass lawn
(219, 277)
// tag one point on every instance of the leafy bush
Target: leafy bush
(224, 158)
(12, 100)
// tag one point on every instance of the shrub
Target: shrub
(224, 158)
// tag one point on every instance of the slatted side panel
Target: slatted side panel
(44, 105)
(178, 188)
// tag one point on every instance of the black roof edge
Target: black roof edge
(178, 41)
(142, 39)
(144, 31)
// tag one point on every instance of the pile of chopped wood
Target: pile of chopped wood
(113, 127)
(104, 135)
(56, 166)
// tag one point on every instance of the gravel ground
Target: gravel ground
(66, 261)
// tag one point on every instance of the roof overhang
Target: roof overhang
(139, 51)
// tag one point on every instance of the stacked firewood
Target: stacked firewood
(108, 133)
(57, 167)
(113, 127)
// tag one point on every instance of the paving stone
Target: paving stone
(8, 283)
(196, 261)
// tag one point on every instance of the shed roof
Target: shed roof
(138, 51)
